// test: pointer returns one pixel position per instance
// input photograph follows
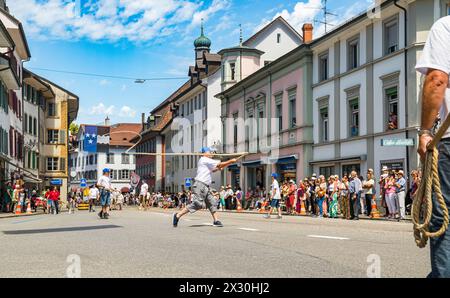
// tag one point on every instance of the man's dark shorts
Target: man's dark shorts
(105, 198)
(275, 203)
(440, 247)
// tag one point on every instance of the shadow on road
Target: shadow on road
(60, 230)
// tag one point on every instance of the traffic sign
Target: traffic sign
(83, 183)
(188, 182)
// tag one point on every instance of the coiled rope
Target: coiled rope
(422, 208)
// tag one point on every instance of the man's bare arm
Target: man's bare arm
(225, 164)
(436, 83)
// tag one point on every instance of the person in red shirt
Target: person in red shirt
(53, 198)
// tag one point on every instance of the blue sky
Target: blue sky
(143, 39)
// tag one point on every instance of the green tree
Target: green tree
(74, 129)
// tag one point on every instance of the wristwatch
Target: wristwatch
(423, 132)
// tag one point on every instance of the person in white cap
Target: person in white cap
(202, 195)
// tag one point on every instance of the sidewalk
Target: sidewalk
(361, 217)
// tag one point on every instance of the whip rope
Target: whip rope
(422, 208)
(238, 155)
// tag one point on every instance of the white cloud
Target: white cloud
(127, 112)
(102, 110)
(112, 20)
(104, 82)
(309, 12)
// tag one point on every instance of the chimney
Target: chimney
(307, 33)
(107, 122)
(144, 126)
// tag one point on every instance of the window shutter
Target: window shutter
(11, 100)
(62, 136)
(62, 164)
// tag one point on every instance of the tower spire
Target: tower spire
(240, 35)
(202, 31)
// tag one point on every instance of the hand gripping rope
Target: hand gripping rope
(422, 208)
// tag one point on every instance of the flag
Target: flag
(90, 139)
(135, 179)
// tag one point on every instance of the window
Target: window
(348, 169)
(353, 53)
(52, 136)
(235, 131)
(25, 122)
(35, 127)
(52, 109)
(30, 124)
(354, 117)
(326, 171)
(278, 38)
(125, 159)
(110, 158)
(391, 36)
(392, 108)
(52, 164)
(448, 9)
(324, 125)
(4, 98)
(292, 108)
(233, 71)
(279, 115)
(124, 174)
(323, 67)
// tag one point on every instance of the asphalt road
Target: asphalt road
(134, 243)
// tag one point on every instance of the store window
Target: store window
(348, 169)
(327, 171)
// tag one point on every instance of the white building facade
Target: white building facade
(366, 91)
(114, 156)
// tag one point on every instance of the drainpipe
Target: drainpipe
(406, 81)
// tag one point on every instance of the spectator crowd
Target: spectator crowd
(346, 197)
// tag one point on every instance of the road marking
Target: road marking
(328, 237)
(248, 229)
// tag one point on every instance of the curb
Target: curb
(12, 215)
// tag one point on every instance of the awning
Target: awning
(340, 160)
(234, 167)
(252, 164)
(285, 159)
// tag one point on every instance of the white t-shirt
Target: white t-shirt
(144, 189)
(276, 190)
(105, 182)
(205, 167)
(436, 56)
(93, 193)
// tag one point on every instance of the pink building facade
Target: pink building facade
(269, 114)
